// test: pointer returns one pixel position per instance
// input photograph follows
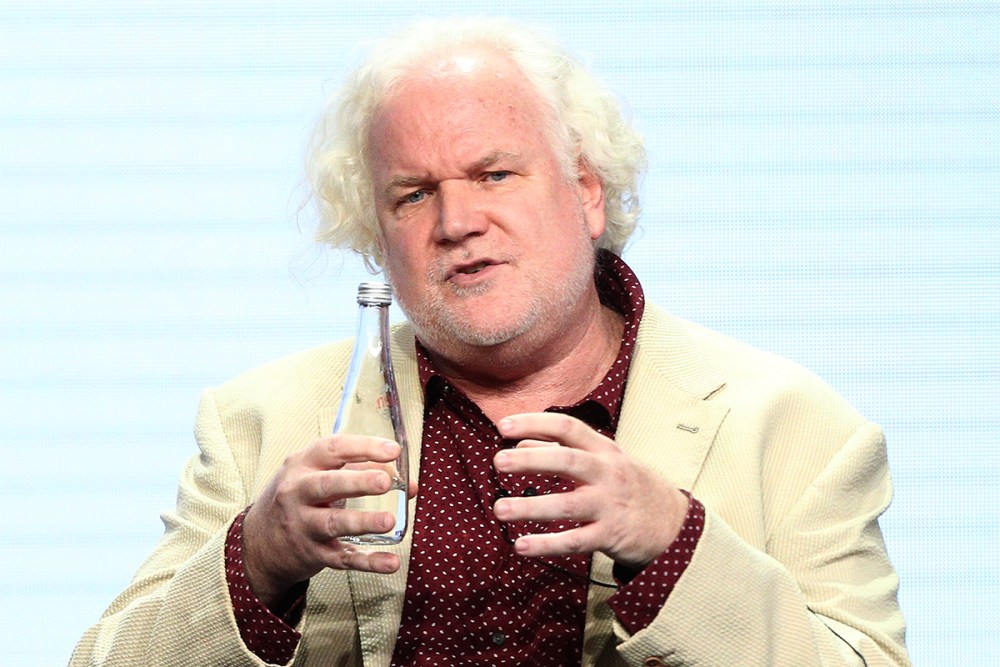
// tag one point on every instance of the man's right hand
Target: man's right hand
(291, 531)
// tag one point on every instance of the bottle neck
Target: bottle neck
(373, 328)
(373, 312)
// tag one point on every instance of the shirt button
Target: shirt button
(498, 638)
(530, 491)
(500, 493)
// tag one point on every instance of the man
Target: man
(599, 483)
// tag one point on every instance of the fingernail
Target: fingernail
(390, 447)
(501, 459)
(505, 425)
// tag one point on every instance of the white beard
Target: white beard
(447, 330)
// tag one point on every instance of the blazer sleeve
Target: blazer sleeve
(177, 609)
(822, 592)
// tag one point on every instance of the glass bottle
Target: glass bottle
(370, 406)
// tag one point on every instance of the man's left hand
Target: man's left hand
(627, 512)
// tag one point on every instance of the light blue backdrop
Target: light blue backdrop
(823, 184)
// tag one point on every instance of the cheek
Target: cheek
(402, 259)
(400, 279)
(392, 263)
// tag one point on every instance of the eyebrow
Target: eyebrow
(484, 162)
(493, 158)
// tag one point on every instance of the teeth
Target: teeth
(475, 268)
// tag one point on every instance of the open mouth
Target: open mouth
(474, 268)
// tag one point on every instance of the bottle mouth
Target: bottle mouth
(374, 294)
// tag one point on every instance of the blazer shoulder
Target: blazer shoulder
(292, 372)
(303, 372)
(748, 373)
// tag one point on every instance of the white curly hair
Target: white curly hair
(588, 126)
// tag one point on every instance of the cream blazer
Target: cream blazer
(790, 570)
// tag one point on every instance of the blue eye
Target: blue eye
(497, 176)
(414, 197)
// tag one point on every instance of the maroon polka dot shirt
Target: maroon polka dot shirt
(469, 598)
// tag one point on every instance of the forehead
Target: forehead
(458, 103)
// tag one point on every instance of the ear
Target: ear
(591, 193)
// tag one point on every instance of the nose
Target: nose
(460, 213)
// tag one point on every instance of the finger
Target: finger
(324, 486)
(584, 539)
(328, 523)
(389, 468)
(556, 427)
(565, 462)
(578, 505)
(363, 560)
(524, 444)
(336, 451)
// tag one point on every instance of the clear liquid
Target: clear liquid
(393, 501)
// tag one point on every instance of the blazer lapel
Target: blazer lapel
(668, 420)
(667, 423)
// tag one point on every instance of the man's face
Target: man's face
(486, 241)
